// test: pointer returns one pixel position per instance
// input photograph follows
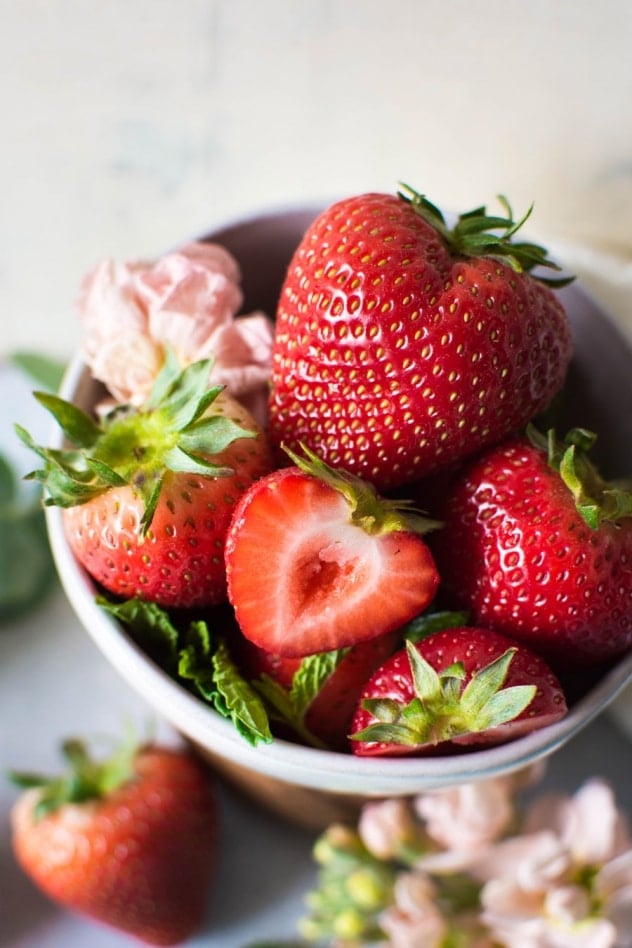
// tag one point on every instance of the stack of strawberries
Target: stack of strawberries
(395, 559)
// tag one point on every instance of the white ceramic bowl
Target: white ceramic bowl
(309, 785)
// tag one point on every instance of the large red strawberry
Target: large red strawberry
(536, 544)
(148, 494)
(130, 841)
(403, 345)
(317, 561)
(315, 696)
(462, 686)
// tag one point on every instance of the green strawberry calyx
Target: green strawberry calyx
(596, 499)
(442, 708)
(171, 431)
(368, 510)
(479, 234)
(85, 778)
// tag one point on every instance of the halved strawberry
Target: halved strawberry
(465, 686)
(316, 561)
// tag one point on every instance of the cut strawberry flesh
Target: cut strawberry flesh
(304, 579)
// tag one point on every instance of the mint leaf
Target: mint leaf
(291, 706)
(238, 700)
(150, 626)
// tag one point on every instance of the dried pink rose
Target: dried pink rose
(186, 301)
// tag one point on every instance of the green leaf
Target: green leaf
(42, 369)
(150, 626)
(505, 706)
(485, 683)
(426, 681)
(428, 623)
(241, 701)
(75, 423)
(311, 675)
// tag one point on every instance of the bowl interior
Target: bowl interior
(598, 394)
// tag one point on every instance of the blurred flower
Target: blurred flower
(464, 867)
(566, 881)
(389, 830)
(186, 301)
(414, 919)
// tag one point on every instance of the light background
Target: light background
(130, 125)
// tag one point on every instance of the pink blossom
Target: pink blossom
(466, 817)
(387, 828)
(414, 919)
(566, 882)
(186, 301)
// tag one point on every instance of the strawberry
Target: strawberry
(316, 696)
(129, 841)
(544, 548)
(460, 686)
(148, 494)
(317, 561)
(403, 345)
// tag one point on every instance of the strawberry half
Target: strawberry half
(317, 561)
(462, 686)
(544, 548)
(148, 493)
(403, 345)
(129, 842)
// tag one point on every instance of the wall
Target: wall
(129, 125)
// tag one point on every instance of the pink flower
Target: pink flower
(567, 881)
(187, 301)
(414, 920)
(462, 821)
(388, 829)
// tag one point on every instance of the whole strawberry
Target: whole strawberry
(535, 543)
(403, 345)
(148, 494)
(460, 686)
(130, 841)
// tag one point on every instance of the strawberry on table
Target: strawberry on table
(403, 345)
(538, 545)
(317, 561)
(148, 493)
(460, 686)
(129, 841)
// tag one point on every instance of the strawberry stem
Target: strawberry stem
(137, 447)
(368, 510)
(85, 779)
(442, 709)
(596, 499)
(473, 235)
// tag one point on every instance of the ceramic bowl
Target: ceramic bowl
(315, 786)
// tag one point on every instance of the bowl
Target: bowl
(314, 787)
